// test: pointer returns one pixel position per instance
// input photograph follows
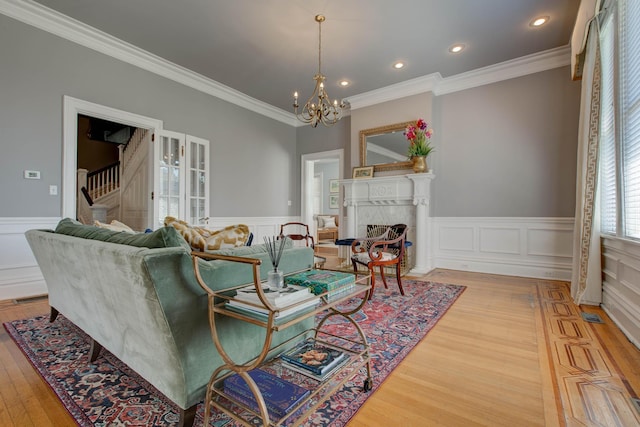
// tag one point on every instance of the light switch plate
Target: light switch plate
(31, 174)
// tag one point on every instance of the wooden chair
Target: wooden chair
(287, 230)
(293, 231)
(381, 251)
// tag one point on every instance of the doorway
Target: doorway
(314, 164)
(73, 108)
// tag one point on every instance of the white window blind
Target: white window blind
(630, 91)
(607, 133)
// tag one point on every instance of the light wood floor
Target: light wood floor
(510, 352)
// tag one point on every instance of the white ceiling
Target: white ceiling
(266, 49)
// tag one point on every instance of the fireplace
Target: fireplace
(400, 199)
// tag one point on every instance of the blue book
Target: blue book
(279, 395)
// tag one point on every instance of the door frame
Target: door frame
(306, 184)
(71, 108)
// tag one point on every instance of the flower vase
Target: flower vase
(419, 164)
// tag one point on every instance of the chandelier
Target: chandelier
(319, 108)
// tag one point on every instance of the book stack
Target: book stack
(334, 283)
(279, 395)
(314, 359)
(289, 300)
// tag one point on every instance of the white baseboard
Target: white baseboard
(19, 273)
(526, 247)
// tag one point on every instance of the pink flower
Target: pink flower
(421, 124)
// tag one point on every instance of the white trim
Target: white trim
(535, 63)
(621, 284)
(525, 65)
(19, 272)
(49, 20)
(527, 247)
(73, 107)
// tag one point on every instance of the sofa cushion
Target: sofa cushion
(165, 237)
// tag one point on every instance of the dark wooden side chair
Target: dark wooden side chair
(294, 230)
(384, 250)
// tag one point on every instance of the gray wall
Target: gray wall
(507, 149)
(253, 158)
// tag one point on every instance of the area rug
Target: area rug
(108, 393)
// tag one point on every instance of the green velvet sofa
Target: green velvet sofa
(137, 296)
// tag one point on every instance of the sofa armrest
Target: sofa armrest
(196, 255)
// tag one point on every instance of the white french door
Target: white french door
(181, 184)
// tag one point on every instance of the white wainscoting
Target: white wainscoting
(621, 285)
(20, 276)
(19, 272)
(527, 247)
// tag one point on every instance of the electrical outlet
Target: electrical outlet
(53, 190)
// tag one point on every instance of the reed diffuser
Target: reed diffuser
(275, 246)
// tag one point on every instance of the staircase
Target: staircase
(104, 187)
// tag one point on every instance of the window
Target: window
(620, 120)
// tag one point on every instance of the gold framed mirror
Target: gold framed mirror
(385, 147)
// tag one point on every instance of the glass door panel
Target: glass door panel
(171, 175)
(198, 180)
(182, 183)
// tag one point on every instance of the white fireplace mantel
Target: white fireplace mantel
(392, 200)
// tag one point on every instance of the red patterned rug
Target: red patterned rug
(109, 393)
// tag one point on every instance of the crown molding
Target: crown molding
(396, 91)
(46, 19)
(535, 63)
(39, 16)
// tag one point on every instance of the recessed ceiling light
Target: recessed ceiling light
(398, 65)
(539, 21)
(456, 48)
(344, 83)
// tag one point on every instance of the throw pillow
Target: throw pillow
(330, 223)
(229, 237)
(322, 219)
(115, 225)
(202, 239)
(190, 234)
